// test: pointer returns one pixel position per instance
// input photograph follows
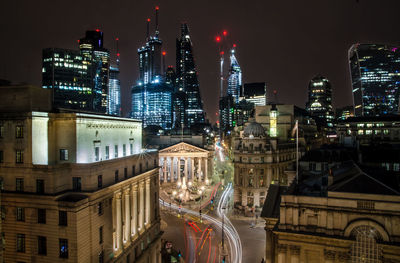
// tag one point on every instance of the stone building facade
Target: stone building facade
(259, 161)
(356, 220)
(77, 188)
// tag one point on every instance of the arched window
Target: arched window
(365, 247)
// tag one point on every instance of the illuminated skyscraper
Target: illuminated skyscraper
(68, 74)
(114, 101)
(319, 104)
(152, 96)
(91, 47)
(375, 79)
(255, 92)
(187, 77)
(226, 113)
(235, 77)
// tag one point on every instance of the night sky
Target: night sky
(284, 43)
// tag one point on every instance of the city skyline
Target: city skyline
(293, 42)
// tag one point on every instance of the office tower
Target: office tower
(255, 92)
(79, 187)
(375, 77)
(91, 47)
(67, 74)
(235, 77)
(319, 104)
(114, 87)
(186, 74)
(226, 113)
(152, 96)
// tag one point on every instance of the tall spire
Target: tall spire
(157, 32)
(117, 42)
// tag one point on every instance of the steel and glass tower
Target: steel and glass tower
(114, 91)
(319, 104)
(152, 96)
(375, 76)
(91, 47)
(235, 77)
(187, 78)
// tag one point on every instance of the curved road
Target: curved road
(235, 245)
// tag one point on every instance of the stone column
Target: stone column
(329, 256)
(134, 225)
(165, 166)
(269, 246)
(199, 169)
(141, 206)
(282, 248)
(206, 168)
(171, 169)
(191, 169)
(178, 169)
(127, 226)
(185, 170)
(148, 208)
(294, 254)
(118, 225)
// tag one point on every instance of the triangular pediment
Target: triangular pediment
(183, 147)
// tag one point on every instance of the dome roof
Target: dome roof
(255, 129)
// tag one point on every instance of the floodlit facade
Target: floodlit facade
(319, 104)
(77, 188)
(187, 81)
(235, 77)
(375, 77)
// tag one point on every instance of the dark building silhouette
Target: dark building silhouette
(255, 92)
(187, 81)
(375, 77)
(319, 104)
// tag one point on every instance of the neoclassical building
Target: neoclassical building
(77, 188)
(259, 160)
(349, 216)
(183, 163)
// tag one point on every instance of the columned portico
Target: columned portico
(148, 209)
(185, 156)
(134, 224)
(141, 206)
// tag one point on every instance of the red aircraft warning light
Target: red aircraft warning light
(164, 53)
(234, 45)
(97, 30)
(225, 33)
(218, 39)
(117, 54)
(117, 39)
(148, 19)
(222, 52)
(157, 8)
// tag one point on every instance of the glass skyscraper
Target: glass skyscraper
(375, 79)
(187, 81)
(235, 77)
(152, 96)
(91, 47)
(68, 74)
(114, 92)
(319, 104)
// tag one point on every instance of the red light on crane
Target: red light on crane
(234, 45)
(117, 39)
(218, 39)
(222, 52)
(164, 53)
(148, 19)
(79, 40)
(157, 8)
(225, 33)
(117, 54)
(97, 30)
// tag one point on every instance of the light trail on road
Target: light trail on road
(235, 245)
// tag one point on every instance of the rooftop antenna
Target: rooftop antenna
(157, 21)
(117, 41)
(148, 29)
